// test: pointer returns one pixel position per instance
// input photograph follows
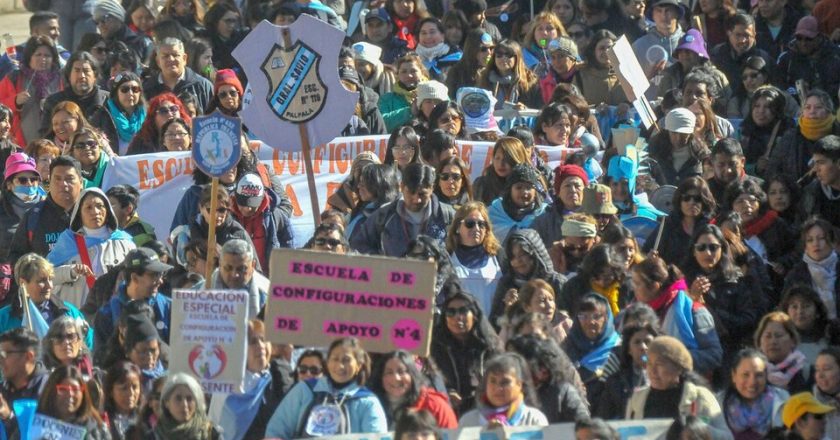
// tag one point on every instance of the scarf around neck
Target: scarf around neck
(409, 94)
(40, 81)
(761, 224)
(781, 374)
(610, 292)
(405, 29)
(756, 415)
(428, 54)
(127, 125)
(824, 277)
(814, 129)
(508, 415)
(473, 257)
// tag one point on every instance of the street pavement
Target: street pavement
(15, 23)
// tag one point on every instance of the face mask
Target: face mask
(28, 193)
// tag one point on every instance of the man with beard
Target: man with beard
(81, 74)
(580, 234)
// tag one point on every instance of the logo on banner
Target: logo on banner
(296, 92)
(217, 143)
(207, 362)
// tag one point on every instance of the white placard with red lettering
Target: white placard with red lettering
(317, 297)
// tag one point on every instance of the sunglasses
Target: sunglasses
(25, 180)
(452, 312)
(451, 176)
(132, 89)
(449, 118)
(86, 145)
(691, 198)
(707, 247)
(168, 110)
(481, 224)
(504, 55)
(67, 337)
(228, 94)
(219, 210)
(312, 371)
(327, 242)
(577, 248)
(486, 48)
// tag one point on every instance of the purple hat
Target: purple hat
(19, 163)
(693, 41)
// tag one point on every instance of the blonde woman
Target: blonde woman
(473, 250)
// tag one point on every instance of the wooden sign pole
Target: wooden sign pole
(24, 300)
(307, 151)
(211, 234)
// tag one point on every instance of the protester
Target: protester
(183, 411)
(24, 374)
(473, 249)
(67, 398)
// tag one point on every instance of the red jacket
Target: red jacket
(438, 405)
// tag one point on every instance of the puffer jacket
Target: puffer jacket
(531, 243)
(386, 233)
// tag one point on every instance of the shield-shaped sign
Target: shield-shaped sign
(296, 91)
(293, 79)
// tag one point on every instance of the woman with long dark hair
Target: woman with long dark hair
(632, 357)
(66, 396)
(765, 124)
(752, 406)
(478, 50)
(401, 387)
(122, 397)
(403, 147)
(453, 185)
(819, 265)
(377, 186)
(508, 78)
(598, 80)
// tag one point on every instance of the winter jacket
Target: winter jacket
(725, 59)
(792, 154)
(11, 316)
(32, 390)
(43, 224)
(530, 242)
(818, 69)
(364, 411)
(600, 86)
(696, 400)
(281, 382)
(386, 233)
(530, 417)
(198, 229)
(775, 45)
(395, 110)
(672, 245)
(504, 224)
(142, 232)
(663, 170)
(562, 403)
(815, 202)
(487, 187)
(141, 45)
(192, 83)
(31, 113)
(370, 111)
(89, 104)
(461, 364)
(104, 254)
(654, 38)
(106, 319)
(708, 353)
(9, 222)
(187, 208)
(617, 391)
(269, 228)
(437, 404)
(549, 224)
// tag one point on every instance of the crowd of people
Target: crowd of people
(552, 304)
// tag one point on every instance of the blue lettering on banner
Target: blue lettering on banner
(289, 85)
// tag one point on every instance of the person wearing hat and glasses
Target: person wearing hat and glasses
(21, 191)
(143, 274)
(109, 17)
(803, 414)
(811, 57)
(563, 68)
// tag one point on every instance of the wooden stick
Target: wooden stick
(211, 235)
(307, 153)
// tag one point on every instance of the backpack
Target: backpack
(324, 398)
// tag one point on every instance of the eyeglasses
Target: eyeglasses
(452, 312)
(451, 176)
(132, 89)
(26, 180)
(481, 224)
(219, 210)
(707, 247)
(449, 118)
(5, 353)
(589, 317)
(168, 110)
(86, 145)
(228, 94)
(176, 134)
(691, 198)
(403, 148)
(327, 242)
(67, 337)
(66, 390)
(508, 55)
(312, 371)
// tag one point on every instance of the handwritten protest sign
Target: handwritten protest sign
(317, 297)
(210, 337)
(48, 428)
